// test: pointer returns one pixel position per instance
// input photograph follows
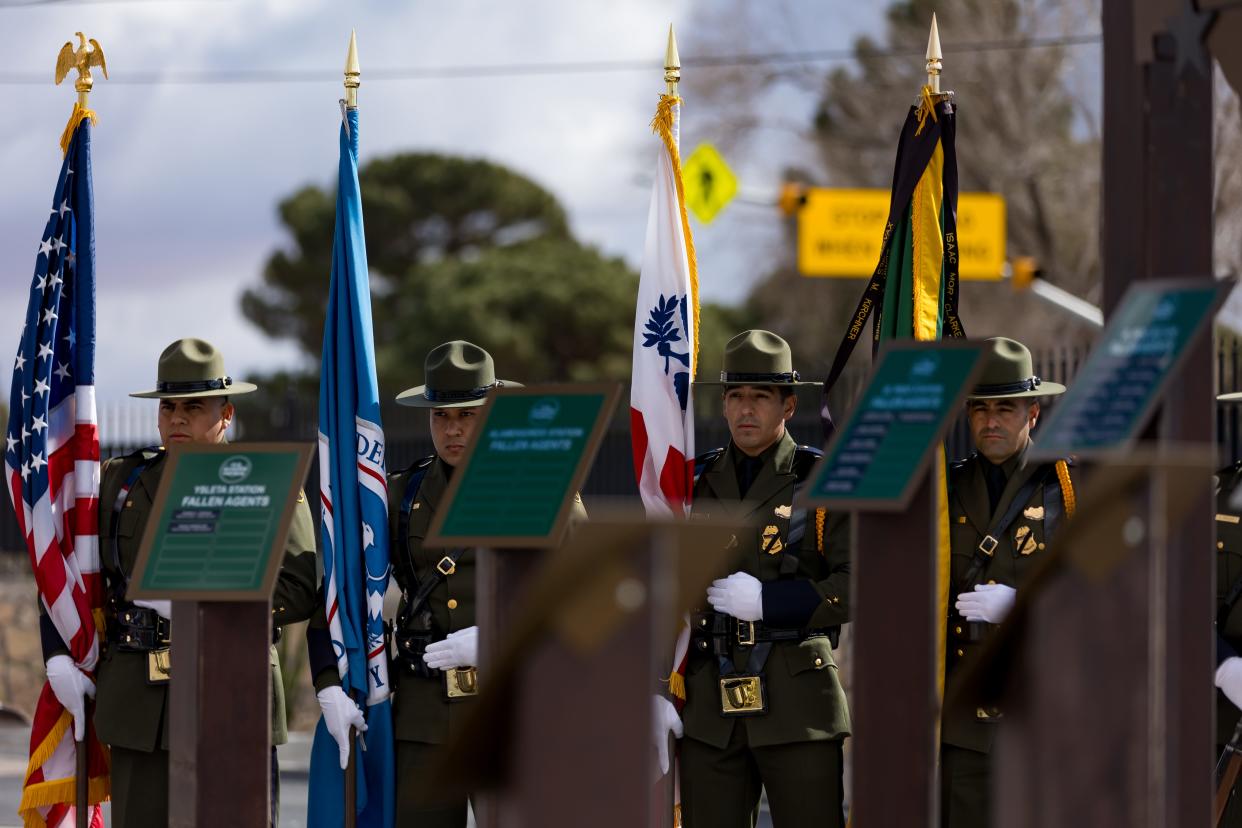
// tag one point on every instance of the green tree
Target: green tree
(458, 249)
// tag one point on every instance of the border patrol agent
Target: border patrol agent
(131, 702)
(764, 707)
(1002, 513)
(434, 636)
(1228, 615)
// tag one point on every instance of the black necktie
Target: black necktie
(994, 476)
(747, 471)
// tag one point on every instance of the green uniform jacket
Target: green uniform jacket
(421, 709)
(805, 698)
(129, 712)
(1019, 547)
(1228, 570)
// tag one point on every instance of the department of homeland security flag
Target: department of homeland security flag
(354, 495)
(51, 465)
(914, 290)
(666, 323)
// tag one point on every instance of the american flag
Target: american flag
(51, 464)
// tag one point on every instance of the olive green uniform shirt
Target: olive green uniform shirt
(805, 699)
(1018, 548)
(129, 712)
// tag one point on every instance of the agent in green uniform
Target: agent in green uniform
(1228, 615)
(131, 700)
(764, 708)
(435, 637)
(1002, 512)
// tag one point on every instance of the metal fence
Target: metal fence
(126, 428)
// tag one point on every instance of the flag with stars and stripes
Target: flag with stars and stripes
(51, 468)
(354, 529)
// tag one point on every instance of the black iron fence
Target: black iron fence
(612, 475)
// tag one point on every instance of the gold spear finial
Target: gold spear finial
(82, 59)
(353, 72)
(672, 63)
(934, 57)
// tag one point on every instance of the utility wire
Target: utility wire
(209, 77)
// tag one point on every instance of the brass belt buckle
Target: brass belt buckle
(159, 666)
(742, 696)
(462, 682)
(446, 566)
(746, 633)
(988, 545)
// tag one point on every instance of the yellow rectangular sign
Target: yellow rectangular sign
(839, 233)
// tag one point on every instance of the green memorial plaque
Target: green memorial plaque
(220, 520)
(528, 456)
(875, 460)
(1115, 392)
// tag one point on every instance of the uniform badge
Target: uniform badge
(1223, 518)
(784, 511)
(1033, 513)
(1024, 540)
(771, 541)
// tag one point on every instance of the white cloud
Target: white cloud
(187, 177)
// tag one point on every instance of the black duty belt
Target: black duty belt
(744, 633)
(135, 629)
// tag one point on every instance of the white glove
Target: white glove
(459, 649)
(989, 602)
(665, 720)
(164, 608)
(1229, 679)
(340, 712)
(70, 684)
(739, 595)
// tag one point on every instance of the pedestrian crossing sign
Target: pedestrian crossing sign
(709, 183)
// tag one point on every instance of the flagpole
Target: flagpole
(353, 79)
(672, 63)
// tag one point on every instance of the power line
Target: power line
(209, 77)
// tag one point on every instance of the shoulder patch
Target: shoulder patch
(805, 458)
(705, 460)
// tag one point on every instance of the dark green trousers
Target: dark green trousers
(418, 807)
(965, 788)
(139, 788)
(720, 787)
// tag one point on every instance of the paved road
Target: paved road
(294, 766)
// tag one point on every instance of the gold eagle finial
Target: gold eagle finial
(82, 58)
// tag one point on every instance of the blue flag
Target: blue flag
(354, 529)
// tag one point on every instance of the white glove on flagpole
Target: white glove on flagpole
(989, 602)
(69, 685)
(739, 595)
(664, 720)
(164, 608)
(340, 712)
(459, 649)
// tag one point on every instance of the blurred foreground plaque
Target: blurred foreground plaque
(877, 458)
(1117, 389)
(560, 734)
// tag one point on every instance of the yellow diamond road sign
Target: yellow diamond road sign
(839, 233)
(708, 182)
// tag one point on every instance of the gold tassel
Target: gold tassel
(677, 685)
(57, 791)
(75, 119)
(927, 106)
(1067, 488)
(662, 125)
(821, 516)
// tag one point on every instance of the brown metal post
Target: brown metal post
(894, 672)
(220, 715)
